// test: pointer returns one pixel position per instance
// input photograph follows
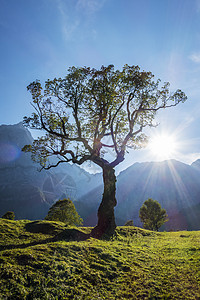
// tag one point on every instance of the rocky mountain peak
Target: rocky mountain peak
(196, 164)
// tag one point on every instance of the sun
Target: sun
(163, 146)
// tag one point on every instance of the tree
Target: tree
(92, 111)
(152, 215)
(9, 215)
(64, 211)
(129, 223)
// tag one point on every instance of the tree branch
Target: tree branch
(111, 127)
(53, 166)
(109, 146)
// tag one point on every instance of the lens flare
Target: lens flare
(9, 152)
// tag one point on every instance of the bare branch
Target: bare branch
(130, 97)
(160, 107)
(111, 126)
(53, 166)
(109, 146)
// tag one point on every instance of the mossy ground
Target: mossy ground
(134, 264)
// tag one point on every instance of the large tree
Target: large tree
(90, 111)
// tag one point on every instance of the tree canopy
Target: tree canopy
(92, 110)
(152, 215)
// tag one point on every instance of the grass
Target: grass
(134, 264)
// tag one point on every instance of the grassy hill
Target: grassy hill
(46, 260)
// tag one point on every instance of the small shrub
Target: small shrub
(9, 215)
(129, 223)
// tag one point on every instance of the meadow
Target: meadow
(47, 260)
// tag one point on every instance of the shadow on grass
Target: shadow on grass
(68, 234)
(25, 245)
(72, 235)
(59, 232)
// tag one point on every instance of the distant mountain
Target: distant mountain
(29, 193)
(175, 185)
(196, 164)
(25, 190)
(12, 139)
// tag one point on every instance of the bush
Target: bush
(9, 215)
(64, 211)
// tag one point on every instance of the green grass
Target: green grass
(135, 264)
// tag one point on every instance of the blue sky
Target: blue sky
(40, 39)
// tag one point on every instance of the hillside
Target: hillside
(135, 264)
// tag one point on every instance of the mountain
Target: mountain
(19, 180)
(196, 164)
(29, 193)
(175, 185)
(25, 190)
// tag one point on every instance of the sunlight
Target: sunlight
(163, 146)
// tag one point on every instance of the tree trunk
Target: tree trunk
(106, 218)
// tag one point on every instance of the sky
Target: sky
(41, 39)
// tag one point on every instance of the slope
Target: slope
(134, 264)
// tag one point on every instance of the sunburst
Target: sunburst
(163, 146)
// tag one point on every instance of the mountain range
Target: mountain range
(30, 193)
(26, 190)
